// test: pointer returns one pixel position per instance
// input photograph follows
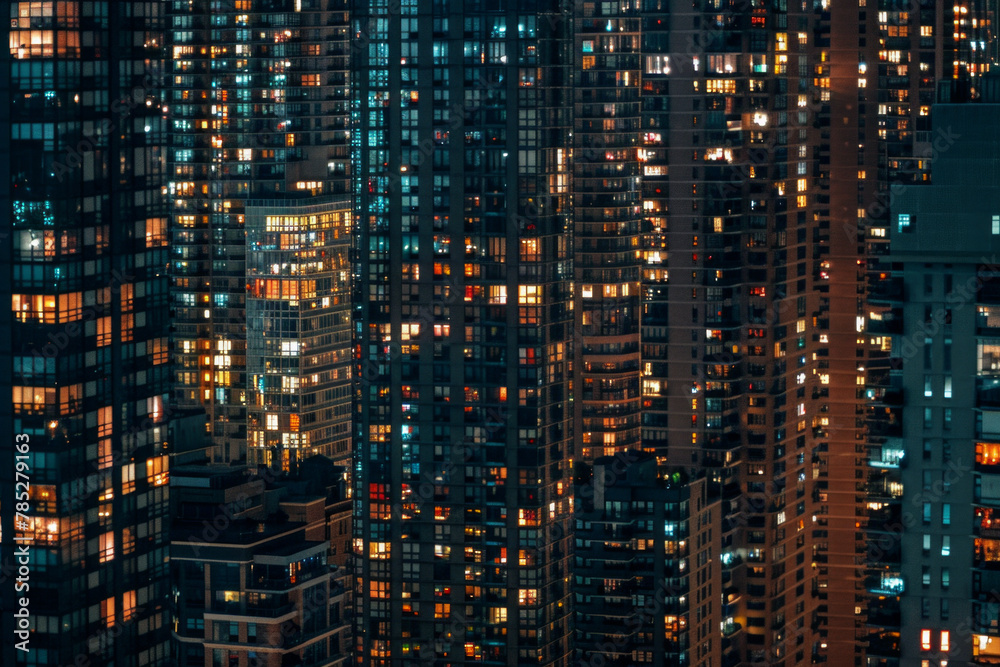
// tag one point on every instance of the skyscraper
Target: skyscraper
(260, 271)
(646, 578)
(850, 174)
(463, 430)
(734, 298)
(84, 257)
(606, 217)
(259, 119)
(938, 582)
(298, 331)
(921, 48)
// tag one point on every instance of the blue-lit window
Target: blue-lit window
(411, 245)
(892, 583)
(995, 228)
(904, 222)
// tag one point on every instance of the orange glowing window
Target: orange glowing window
(988, 453)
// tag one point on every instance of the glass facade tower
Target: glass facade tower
(298, 332)
(258, 111)
(464, 331)
(86, 382)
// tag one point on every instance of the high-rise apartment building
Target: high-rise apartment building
(735, 383)
(849, 174)
(938, 463)
(85, 385)
(919, 45)
(606, 230)
(298, 316)
(258, 119)
(464, 332)
(921, 48)
(645, 566)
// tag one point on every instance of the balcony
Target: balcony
(883, 551)
(885, 518)
(285, 583)
(888, 396)
(886, 290)
(989, 293)
(987, 554)
(988, 320)
(888, 322)
(884, 614)
(887, 457)
(988, 392)
(884, 644)
(884, 487)
(885, 429)
(252, 611)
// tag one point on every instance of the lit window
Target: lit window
(529, 294)
(108, 611)
(128, 478)
(925, 640)
(409, 331)
(157, 470)
(107, 547)
(904, 222)
(128, 605)
(945, 641)
(498, 294)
